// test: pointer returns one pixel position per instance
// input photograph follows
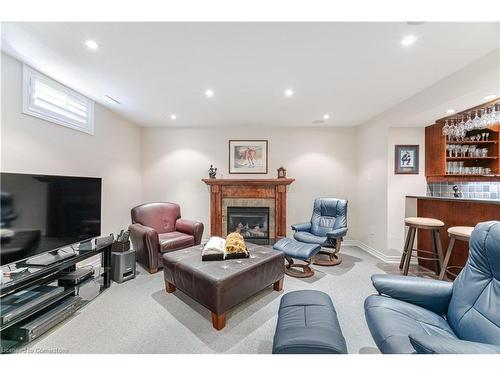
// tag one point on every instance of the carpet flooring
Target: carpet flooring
(138, 316)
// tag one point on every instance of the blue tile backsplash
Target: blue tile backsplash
(482, 190)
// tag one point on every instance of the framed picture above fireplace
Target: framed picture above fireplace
(248, 157)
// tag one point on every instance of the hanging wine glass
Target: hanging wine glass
(453, 131)
(446, 129)
(482, 119)
(475, 121)
(468, 123)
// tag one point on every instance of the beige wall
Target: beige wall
(380, 194)
(398, 186)
(32, 145)
(322, 161)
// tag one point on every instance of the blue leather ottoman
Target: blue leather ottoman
(308, 324)
(298, 250)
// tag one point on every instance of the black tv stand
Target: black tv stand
(48, 274)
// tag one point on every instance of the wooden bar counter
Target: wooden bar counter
(453, 212)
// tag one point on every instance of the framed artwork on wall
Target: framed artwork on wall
(248, 157)
(406, 159)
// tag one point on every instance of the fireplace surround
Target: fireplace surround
(269, 193)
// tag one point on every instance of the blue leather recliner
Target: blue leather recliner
(417, 315)
(327, 228)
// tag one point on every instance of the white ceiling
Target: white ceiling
(353, 71)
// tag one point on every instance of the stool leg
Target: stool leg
(411, 233)
(442, 275)
(405, 249)
(437, 249)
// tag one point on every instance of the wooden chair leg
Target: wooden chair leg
(411, 233)
(218, 321)
(169, 288)
(449, 250)
(405, 250)
(278, 285)
(152, 270)
(439, 250)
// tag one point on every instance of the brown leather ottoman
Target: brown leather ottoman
(221, 285)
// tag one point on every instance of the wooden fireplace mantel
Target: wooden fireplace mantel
(248, 181)
(264, 188)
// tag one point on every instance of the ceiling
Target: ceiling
(351, 71)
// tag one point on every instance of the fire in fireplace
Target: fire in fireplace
(250, 222)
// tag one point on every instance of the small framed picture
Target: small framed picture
(406, 159)
(247, 157)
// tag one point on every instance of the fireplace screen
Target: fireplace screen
(250, 222)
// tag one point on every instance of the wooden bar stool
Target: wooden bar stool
(425, 223)
(455, 233)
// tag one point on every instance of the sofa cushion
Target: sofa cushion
(391, 322)
(174, 241)
(308, 324)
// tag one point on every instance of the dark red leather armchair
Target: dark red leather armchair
(157, 228)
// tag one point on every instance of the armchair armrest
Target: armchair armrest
(302, 227)
(433, 295)
(194, 228)
(146, 244)
(426, 344)
(337, 233)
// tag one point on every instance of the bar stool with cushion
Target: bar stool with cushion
(422, 223)
(455, 233)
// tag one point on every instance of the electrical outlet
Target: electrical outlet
(372, 230)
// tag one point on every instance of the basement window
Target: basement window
(49, 100)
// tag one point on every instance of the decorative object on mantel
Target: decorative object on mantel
(281, 172)
(212, 172)
(406, 159)
(247, 157)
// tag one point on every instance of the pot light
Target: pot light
(450, 111)
(408, 40)
(209, 93)
(489, 97)
(173, 117)
(326, 116)
(91, 44)
(289, 93)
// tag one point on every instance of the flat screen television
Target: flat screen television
(41, 213)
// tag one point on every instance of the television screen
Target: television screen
(41, 213)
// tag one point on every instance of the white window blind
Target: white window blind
(47, 99)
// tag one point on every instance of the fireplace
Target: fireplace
(251, 222)
(268, 193)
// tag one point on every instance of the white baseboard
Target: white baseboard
(376, 253)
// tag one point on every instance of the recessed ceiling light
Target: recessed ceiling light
(450, 111)
(326, 116)
(289, 93)
(490, 97)
(209, 93)
(173, 117)
(91, 44)
(408, 40)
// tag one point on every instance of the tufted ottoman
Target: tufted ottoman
(308, 324)
(298, 250)
(221, 285)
